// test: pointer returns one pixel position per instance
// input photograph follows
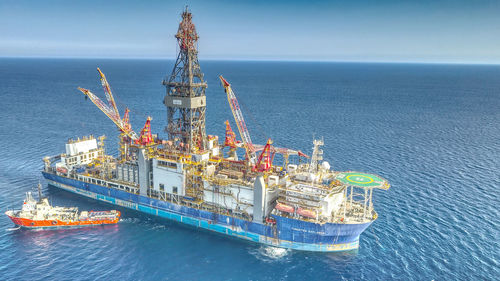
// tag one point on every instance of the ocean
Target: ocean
(432, 130)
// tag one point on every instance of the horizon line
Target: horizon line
(258, 60)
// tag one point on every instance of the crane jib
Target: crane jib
(110, 109)
(240, 121)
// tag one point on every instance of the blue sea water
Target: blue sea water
(432, 130)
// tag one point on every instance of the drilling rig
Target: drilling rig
(187, 177)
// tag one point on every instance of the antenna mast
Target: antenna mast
(39, 191)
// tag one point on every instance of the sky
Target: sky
(438, 31)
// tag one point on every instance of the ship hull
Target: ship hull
(286, 233)
(29, 223)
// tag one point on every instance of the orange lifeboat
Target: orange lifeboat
(285, 208)
(62, 170)
(306, 213)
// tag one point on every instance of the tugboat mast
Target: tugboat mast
(39, 191)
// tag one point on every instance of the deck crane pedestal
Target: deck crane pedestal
(231, 142)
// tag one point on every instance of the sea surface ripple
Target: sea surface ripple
(432, 130)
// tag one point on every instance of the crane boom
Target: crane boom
(111, 113)
(281, 150)
(107, 91)
(240, 121)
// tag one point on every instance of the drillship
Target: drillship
(192, 178)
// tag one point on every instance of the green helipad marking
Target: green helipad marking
(359, 179)
(362, 180)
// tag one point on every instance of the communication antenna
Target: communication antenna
(39, 191)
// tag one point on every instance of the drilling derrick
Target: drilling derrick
(185, 99)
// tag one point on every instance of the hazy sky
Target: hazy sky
(348, 30)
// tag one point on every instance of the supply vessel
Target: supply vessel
(232, 187)
(40, 214)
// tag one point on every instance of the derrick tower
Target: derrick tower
(185, 98)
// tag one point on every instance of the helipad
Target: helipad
(362, 180)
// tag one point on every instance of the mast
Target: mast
(317, 155)
(185, 98)
(39, 191)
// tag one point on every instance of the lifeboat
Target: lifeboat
(285, 208)
(62, 170)
(270, 220)
(306, 213)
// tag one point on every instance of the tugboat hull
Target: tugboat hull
(29, 223)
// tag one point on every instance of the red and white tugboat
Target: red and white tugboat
(40, 214)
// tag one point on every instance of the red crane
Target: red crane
(240, 121)
(230, 139)
(146, 137)
(111, 111)
(265, 161)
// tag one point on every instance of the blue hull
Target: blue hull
(287, 233)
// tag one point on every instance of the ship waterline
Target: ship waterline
(306, 236)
